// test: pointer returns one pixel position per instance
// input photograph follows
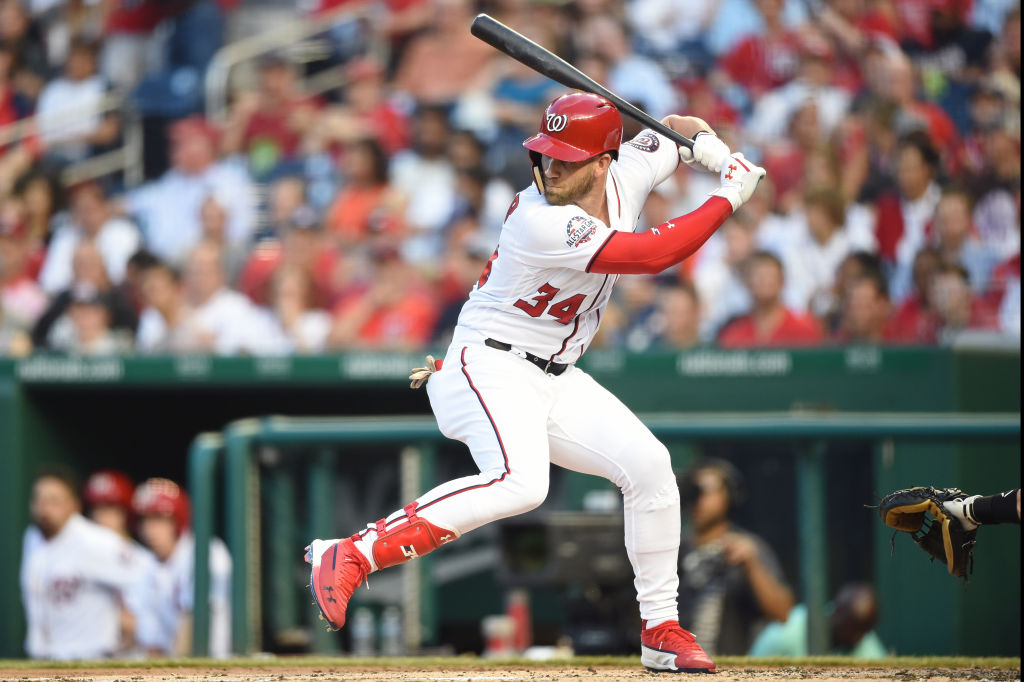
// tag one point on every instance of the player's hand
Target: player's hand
(708, 152)
(739, 180)
(419, 375)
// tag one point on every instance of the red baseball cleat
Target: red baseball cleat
(338, 569)
(669, 648)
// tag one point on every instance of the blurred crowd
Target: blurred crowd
(362, 217)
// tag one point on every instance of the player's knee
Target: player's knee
(530, 495)
(649, 470)
(535, 496)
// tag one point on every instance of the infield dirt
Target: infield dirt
(278, 673)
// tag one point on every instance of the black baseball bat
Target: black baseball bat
(524, 50)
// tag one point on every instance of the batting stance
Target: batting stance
(508, 386)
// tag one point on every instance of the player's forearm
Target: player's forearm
(688, 126)
(648, 253)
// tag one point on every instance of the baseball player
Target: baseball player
(75, 576)
(165, 625)
(108, 502)
(508, 386)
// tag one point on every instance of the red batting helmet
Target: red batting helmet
(576, 127)
(163, 497)
(109, 487)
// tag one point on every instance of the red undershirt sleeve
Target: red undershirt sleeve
(626, 253)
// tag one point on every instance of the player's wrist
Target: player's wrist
(730, 194)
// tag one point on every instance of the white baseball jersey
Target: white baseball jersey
(72, 587)
(169, 589)
(535, 292)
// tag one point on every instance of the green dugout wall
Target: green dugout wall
(141, 414)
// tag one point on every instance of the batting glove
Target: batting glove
(420, 375)
(708, 152)
(739, 180)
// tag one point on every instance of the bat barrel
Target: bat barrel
(544, 62)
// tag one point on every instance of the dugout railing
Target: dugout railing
(230, 457)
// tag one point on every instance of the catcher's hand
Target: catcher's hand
(920, 512)
(419, 375)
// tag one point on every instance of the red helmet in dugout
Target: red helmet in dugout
(577, 127)
(163, 497)
(109, 487)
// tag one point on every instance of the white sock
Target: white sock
(365, 545)
(655, 622)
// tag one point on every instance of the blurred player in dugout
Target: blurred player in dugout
(108, 502)
(731, 582)
(165, 619)
(77, 577)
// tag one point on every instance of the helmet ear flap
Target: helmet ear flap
(538, 173)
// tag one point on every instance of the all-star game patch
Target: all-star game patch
(646, 141)
(579, 231)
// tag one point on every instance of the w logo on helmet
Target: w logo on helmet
(556, 122)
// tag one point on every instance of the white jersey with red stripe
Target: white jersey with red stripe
(536, 292)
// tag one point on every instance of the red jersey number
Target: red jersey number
(487, 269)
(564, 311)
(512, 207)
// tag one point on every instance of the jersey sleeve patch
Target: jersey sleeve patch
(646, 141)
(580, 230)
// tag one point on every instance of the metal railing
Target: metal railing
(217, 83)
(126, 158)
(236, 448)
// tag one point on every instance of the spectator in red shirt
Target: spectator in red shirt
(268, 125)
(366, 112)
(395, 312)
(769, 323)
(901, 86)
(298, 242)
(903, 220)
(762, 62)
(13, 104)
(922, 23)
(852, 25)
(22, 300)
(446, 61)
(867, 312)
(367, 205)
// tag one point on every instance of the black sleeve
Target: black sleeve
(41, 330)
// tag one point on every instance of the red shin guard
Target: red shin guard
(411, 538)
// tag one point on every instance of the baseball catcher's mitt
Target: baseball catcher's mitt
(919, 511)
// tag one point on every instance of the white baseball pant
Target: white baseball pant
(517, 420)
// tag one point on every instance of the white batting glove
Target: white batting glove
(739, 180)
(420, 375)
(708, 152)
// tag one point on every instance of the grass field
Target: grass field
(464, 669)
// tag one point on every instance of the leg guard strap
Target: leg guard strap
(411, 538)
